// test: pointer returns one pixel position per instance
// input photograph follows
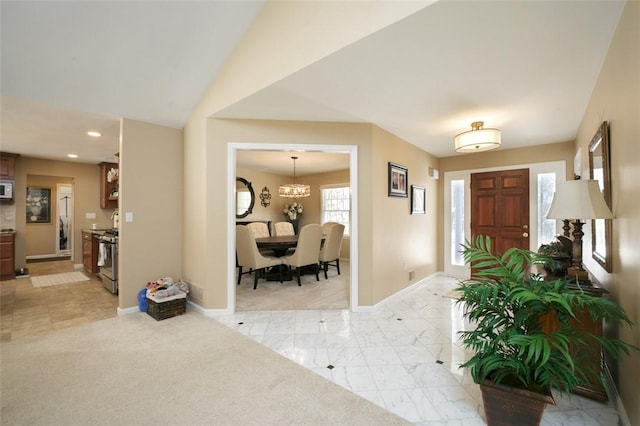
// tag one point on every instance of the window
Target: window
(336, 204)
(546, 188)
(457, 221)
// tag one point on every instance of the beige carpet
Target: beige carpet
(332, 293)
(187, 370)
(57, 279)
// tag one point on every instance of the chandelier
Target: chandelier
(477, 139)
(294, 190)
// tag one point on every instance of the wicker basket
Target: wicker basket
(168, 307)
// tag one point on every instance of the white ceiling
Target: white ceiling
(526, 67)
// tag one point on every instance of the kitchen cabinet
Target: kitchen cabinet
(7, 256)
(8, 165)
(90, 252)
(109, 188)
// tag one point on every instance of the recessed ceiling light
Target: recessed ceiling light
(72, 155)
(94, 134)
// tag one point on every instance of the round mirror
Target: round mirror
(244, 197)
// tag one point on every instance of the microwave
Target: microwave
(6, 190)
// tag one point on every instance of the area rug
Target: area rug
(57, 279)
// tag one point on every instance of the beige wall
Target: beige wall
(151, 189)
(400, 242)
(85, 179)
(41, 239)
(285, 37)
(259, 180)
(616, 99)
(383, 221)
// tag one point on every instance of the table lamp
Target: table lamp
(577, 200)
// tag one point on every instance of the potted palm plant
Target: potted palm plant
(516, 360)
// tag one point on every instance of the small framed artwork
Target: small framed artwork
(398, 178)
(418, 202)
(38, 205)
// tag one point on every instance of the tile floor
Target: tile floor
(403, 357)
(27, 311)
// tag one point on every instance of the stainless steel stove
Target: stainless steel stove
(108, 260)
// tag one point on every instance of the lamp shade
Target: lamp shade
(477, 139)
(578, 199)
(294, 190)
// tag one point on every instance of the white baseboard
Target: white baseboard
(612, 391)
(208, 312)
(399, 294)
(128, 311)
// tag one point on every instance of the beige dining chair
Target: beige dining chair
(250, 258)
(327, 226)
(330, 251)
(258, 229)
(283, 228)
(307, 250)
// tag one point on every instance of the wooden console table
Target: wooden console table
(591, 354)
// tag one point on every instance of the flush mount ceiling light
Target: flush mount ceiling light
(477, 139)
(94, 134)
(294, 190)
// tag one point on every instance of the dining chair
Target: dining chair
(330, 251)
(307, 250)
(327, 226)
(258, 229)
(283, 228)
(249, 257)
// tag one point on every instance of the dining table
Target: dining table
(278, 243)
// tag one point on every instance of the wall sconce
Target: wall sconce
(265, 197)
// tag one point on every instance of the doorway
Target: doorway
(351, 150)
(500, 208)
(64, 230)
(458, 215)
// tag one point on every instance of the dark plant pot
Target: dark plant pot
(559, 266)
(294, 222)
(509, 406)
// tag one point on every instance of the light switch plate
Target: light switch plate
(128, 217)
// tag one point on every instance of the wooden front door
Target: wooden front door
(500, 208)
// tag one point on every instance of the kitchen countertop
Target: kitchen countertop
(98, 231)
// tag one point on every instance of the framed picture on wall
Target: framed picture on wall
(418, 202)
(38, 205)
(398, 178)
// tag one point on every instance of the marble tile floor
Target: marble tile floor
(403, 357)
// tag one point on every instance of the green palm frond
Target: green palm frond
(508, 304)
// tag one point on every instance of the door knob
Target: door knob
(525, 234)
